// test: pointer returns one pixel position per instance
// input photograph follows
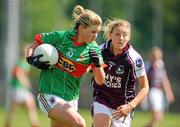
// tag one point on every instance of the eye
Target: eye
(94, 32)
(117, 34)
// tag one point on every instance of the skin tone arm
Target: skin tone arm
(99, 75)
(123, 110)
(168, 90)
(31, 49)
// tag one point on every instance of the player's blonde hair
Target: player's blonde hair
(109, 26)
(85, 17)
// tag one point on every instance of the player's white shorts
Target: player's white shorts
(156, 99)
(48, 101)
(100, 108)
(20, 95)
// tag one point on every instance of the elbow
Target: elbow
(100, 82)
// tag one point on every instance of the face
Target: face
(89, 34)
(120, 37)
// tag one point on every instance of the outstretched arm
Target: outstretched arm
(168, 90)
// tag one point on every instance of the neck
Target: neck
(116, 51)
(79, 38)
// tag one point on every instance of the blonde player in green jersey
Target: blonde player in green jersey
(59, 85)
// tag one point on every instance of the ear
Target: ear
(110, 36)
(81, 28)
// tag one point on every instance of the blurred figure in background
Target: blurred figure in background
(160, 88)
(21, 93)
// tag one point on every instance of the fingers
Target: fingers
(117, 115)
(93, 53)
(94, 57)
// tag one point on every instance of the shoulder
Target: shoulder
(105, 46)
(93, 44)
(53, 33)
(135, 57)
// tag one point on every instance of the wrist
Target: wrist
(97, 65)
(131, 107)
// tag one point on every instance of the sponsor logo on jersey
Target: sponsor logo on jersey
(66, 64)
(139, 62)
(112, 81)
(120, 69)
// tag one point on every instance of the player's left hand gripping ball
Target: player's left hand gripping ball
(34, 60)
(94, 57)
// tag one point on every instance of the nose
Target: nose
(121, 36)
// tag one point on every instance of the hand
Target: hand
(122, 111)
(94, 57)
(34, 60)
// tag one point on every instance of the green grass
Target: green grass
(140, 119)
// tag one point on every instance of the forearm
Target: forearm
(99, 75)
(144, 89)
(140, 96)
(31, 49)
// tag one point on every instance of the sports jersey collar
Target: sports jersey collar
(71, 33)
(76, 43)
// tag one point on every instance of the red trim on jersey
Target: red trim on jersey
(73, 68)
(77, 43)
(38, 39)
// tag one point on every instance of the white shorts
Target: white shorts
(100, 108)
(156, 99)
(48, 101)
(20, 95)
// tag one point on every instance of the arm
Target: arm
(34, 60)
(168, 90)
(124, 110)
(99, 75)
(31, 48)
(144, 88)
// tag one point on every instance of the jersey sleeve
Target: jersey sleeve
(50, 38)
(139, 67)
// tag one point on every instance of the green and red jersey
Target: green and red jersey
(21, 67)
(64, 78)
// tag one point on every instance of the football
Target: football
(49, 52)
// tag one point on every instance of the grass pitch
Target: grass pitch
(140, 119)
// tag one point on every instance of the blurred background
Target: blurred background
(154, 23)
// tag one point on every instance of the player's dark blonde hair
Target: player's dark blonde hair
(109, 26)
(85, 17)
(156, 53)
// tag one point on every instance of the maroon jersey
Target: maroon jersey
(121, 74)
(156, 72)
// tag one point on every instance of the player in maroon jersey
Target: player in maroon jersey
(114, 102)
(159, 87)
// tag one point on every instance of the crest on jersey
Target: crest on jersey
(139, 62)
(120, 69)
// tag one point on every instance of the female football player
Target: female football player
(115, 101)
(59, 85)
